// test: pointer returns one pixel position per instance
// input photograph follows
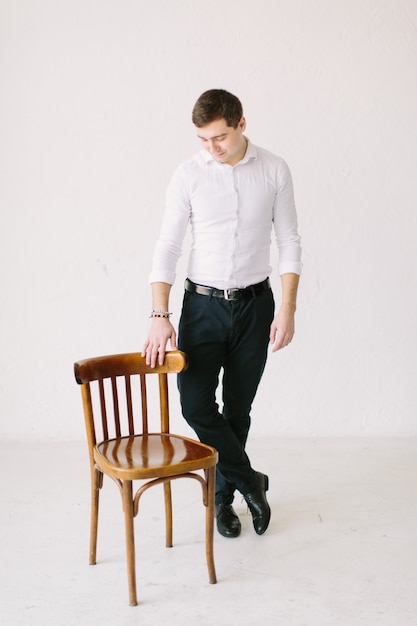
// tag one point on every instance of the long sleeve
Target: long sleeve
(168, 247)
(286, 224)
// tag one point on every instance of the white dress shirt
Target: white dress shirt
(233, 211)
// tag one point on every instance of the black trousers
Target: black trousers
(232, 337)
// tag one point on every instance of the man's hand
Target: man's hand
(161, 330)
(154, 348)
(282, 328)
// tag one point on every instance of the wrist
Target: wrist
(288, 307)
(160, 313)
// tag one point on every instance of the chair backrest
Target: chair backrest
(115, 391)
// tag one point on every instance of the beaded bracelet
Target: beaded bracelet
(160, 313)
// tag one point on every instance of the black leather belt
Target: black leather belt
(229, 294)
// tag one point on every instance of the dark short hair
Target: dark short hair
(216, 104)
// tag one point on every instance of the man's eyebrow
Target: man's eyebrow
(216, 136)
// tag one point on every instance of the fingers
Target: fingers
(161, 355)
(281, 340)
(154, 354)
(279, 344)
(282, 330)
(154, 348)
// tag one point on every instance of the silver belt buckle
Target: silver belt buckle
(231, 295)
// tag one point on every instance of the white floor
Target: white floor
(341, 548)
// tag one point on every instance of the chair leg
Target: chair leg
(210, 479)
(130, 540)
(96, 482)
(168, 514)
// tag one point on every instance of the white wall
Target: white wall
(95, 114)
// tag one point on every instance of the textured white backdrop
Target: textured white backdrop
(95, 115)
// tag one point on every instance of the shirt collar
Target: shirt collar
(251, 153)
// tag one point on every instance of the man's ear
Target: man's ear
(242, 124)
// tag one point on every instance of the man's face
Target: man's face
(225, 143)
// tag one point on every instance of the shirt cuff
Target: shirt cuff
(290, 267)
(158, 276)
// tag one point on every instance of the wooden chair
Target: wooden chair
(114, 389)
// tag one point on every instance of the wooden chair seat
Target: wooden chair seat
(139, 457)
(114, 391)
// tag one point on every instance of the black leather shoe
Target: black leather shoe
(258, 505)
(228, 523)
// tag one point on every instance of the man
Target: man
(233, 194)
